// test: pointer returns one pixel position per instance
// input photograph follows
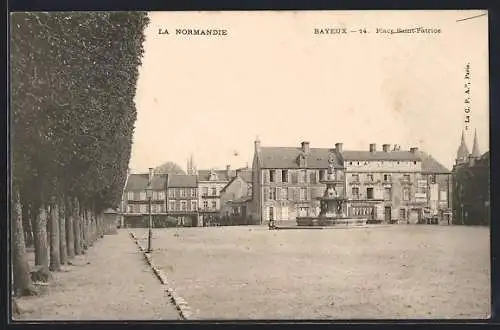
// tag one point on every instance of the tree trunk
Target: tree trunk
(41, 241)
(55, 257)
(70, 231)
(21, 270)
(28, 232)
(62, 232)
(78, 228)
(34, 214)
(85, 229)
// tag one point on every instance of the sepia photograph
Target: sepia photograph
(250, 165)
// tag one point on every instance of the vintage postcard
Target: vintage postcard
(270, 165)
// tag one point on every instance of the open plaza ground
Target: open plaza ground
(373, 272)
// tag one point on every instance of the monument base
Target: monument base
(330, 221)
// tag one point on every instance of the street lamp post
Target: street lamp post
(149, 194)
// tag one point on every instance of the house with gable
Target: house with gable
(235, 197)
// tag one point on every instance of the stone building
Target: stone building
(471, 185)
(235, 197)
(135, 203)
(388, 185)
(182, 199)
(210, 184)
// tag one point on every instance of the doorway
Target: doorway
(387, 214)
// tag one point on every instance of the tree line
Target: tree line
(73, 81)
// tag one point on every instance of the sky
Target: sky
(273, 78)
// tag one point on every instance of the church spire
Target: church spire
(475, 148)
(463, 151)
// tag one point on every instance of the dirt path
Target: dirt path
(111, 282)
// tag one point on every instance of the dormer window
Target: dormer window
(213, 176)
(302, 160)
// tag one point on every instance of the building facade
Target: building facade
(135, 202)
(235, 197)
(387, 185)
(471, 185)
(182, 199)
(210, 184)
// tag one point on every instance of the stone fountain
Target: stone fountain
(333, 205)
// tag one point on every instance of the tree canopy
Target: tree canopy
(74, 78)
(169, 168)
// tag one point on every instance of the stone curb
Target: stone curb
(180, 304)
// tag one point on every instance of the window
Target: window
(355, 192)
(205, 204)
(387, 194)
(130, 195)
(144, 208)
(302, 176)
(193, 192)
(154, 195)
(284, 213)
(284, 176)
(183, 192)
(130, 208)
(193, 205)
(303, 194)
(161, 195)
(350, 163)
(204, 191)
(272, 194)
(171, 193)
(214, 204)
(214, 191)
(369, 177)
(142, 195)
(284, 194)
(183, 205)
(272, 175)
(355, 177)
(406, 194)
(322, 175)
(387, 177)
(369, 193)
(432, 178)
(177, 206)
(171, 205)
(414, 162)
(406, 177)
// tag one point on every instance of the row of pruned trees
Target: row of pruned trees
(73, 82)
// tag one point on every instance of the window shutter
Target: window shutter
(312, 175)
(308, 194)
(265, 176)
(266, 193)
(277, 177)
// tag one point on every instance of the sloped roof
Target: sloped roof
(240, 200)
(430, 164)
(245, 175)
(286, 157)
(182, 181)
(140, 181)
(403, 155)
(222, 175)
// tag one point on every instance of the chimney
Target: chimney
(386, 147)
(150, 175)
(338, 147)
(305, 147)
(413, 150)
(373, 147)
